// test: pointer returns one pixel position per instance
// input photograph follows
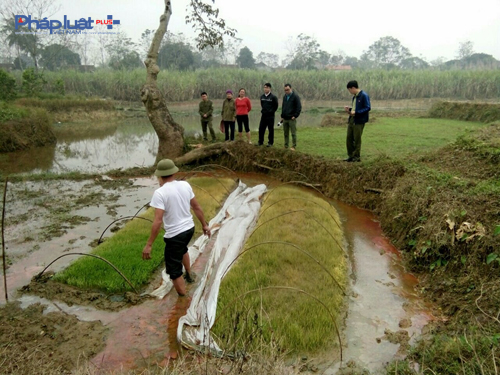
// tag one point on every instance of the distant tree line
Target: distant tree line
(177, 52)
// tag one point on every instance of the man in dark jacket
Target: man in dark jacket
(358, 117)
(269, 104)
(290, 110)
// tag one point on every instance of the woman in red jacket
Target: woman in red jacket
(243, 106)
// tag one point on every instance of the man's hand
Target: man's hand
(293, 117)
(352, 113)
(205, 115)
(206, 231)
(146, 252)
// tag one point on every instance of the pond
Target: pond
(97, 148)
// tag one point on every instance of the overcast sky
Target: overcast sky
(429, 28)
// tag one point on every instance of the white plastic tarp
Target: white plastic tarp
(240, 213)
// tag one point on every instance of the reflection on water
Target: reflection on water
(97, 148)
(41, 158)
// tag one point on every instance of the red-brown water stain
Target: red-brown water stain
(146, 335)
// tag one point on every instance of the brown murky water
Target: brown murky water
(131, 143)
(383, 296)
(382, 293)
(28, 246)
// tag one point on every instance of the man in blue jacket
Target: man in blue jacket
(358, 117)
(290, 110)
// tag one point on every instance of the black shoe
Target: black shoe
(205, 139)
(190, 277)
(356, 160)
(269, 145)
(349, 159)
(214, 140)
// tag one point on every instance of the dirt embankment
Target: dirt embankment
(32, 130)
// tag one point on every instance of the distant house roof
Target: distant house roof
(338, 67)
(262, 66)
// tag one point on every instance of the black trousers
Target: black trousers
(243, 121)
(266, 123)
(229, 130)
(175, 248)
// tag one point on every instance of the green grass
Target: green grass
(294, 320)
(395, 137)
(124, 249)
(11, 112)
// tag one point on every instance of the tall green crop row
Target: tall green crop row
(311, 85)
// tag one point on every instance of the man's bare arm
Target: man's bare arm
(155, 229)
(198, 211)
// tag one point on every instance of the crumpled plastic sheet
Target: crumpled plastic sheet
(240, 211)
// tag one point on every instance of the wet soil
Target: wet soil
(44, 287)
(44, 221)
(34, 342)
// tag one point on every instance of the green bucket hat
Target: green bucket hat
(166, 167)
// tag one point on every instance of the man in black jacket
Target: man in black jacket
(358, 117)
(269, 104)
(290, 110)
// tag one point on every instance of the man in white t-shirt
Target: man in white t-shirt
(172, 203)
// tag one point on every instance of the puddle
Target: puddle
(83, 313)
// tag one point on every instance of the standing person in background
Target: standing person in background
(205, 110)
(243, 106)
(290, 110)
(269, 104)
(172, 202)
(358, 117)
(229, 115)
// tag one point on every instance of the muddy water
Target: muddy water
(31, 216)
(383, 296)
(130, 143)
(382, 293)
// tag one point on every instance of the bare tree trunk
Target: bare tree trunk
(170, 134)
